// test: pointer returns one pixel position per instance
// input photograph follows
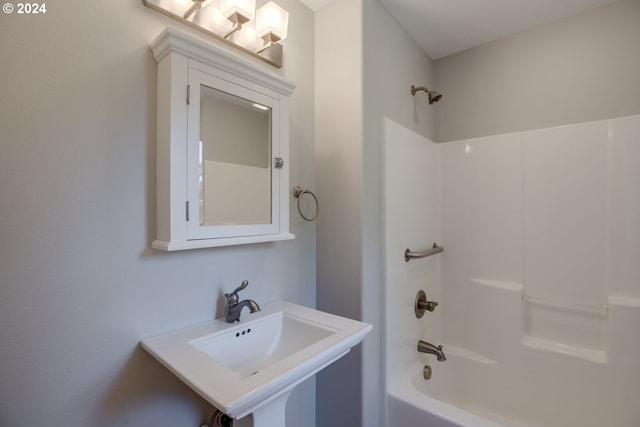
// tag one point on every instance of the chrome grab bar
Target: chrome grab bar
(411, 255)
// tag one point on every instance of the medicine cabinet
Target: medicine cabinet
(222, 147)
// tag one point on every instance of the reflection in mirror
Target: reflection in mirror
(235, 166)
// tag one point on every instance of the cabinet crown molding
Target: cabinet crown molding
(172, 40)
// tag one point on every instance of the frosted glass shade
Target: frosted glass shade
(177, 7)
(245, 8)
(247, 38)
(272, 19)
(213, 20)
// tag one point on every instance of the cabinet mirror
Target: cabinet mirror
(233, 177)
(234, 151)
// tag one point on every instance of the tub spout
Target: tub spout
(425, 347)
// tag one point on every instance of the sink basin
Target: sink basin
(254, 364)
(249, 349)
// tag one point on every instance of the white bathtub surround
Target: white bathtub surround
(538, 285)
(411, 221)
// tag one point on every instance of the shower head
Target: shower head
(433, 95)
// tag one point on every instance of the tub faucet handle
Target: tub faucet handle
(422, 304)
(428, 305)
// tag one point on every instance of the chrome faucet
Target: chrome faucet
(233, 308)
(425, 347)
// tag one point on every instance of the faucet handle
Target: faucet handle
(428, 305)
(422, 304)
(234, 294)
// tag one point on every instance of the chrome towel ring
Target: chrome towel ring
(298, 192)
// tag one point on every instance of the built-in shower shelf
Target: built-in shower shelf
(624, 301)
(454, 350)
(565, 327)
(498, 284)
(596, 356)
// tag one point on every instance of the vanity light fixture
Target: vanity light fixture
(231, 23)
(271, 24)
(239, 12)
(197, 4)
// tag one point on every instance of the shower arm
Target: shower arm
(415, 89)
(432, 94)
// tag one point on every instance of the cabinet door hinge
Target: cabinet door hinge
(187, 210)
(188, 94)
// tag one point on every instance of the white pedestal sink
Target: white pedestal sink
(252, 366)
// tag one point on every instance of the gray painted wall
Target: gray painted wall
(79, 285)
(359, 79)
(339, 178)
(577, 69)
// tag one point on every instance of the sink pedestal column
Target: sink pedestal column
(272, 414)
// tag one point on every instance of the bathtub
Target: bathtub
(519, 380)
(519, 354)
(413, 401)
(469, 391)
